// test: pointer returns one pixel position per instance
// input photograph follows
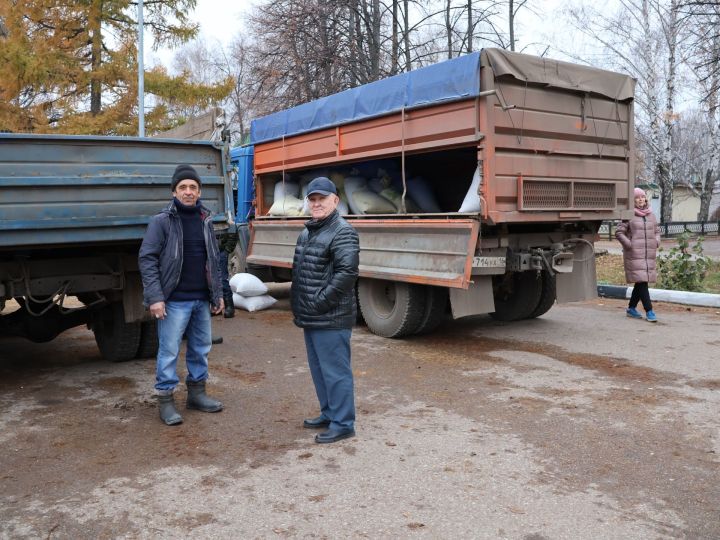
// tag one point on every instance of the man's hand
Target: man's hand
(157, 310)
(219, 309)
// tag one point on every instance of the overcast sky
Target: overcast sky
(221, 20)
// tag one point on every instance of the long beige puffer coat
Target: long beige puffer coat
(640, 238)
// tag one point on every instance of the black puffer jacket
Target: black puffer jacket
(325, 269)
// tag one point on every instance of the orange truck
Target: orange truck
(497, 168)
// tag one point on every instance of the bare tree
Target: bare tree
(514, 8)
(705, 59)
(643, 37)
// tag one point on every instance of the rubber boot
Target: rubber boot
(199, 400)
(229, 312)
(168, 414)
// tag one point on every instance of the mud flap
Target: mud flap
(581, 283)
(132, 298)
(476, 299)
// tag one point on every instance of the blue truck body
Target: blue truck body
(78, 190)
(241, 159)
(73, 212)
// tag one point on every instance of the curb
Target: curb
(663, 295)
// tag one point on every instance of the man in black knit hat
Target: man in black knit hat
(180, 269)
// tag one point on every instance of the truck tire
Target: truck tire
(359, 320)
(436, 299)
(117, 340)
(516, 295)
(148, 346)
(548, 290)
(391, 308)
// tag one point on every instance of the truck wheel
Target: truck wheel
(436, 299)
(148, 347)
(516, 295)
(117, 340)
(390, 308)
(547, 295)
(359, 320)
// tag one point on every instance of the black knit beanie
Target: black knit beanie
(184, 172)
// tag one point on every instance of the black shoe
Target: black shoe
(334, 435)
(229, 311)
(217, 340)
(318, 422)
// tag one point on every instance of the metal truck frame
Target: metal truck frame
(554, 143)
(73, 212)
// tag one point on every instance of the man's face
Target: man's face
(187, 192)
(321, 206)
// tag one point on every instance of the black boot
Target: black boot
(199, 400)
(168, 414)
(229, 312)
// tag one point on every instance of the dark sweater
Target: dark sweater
(193, 283)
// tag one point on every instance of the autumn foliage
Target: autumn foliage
(71, 67)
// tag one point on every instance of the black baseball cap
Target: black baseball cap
(321, 185)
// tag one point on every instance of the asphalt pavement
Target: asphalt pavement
(582, 424)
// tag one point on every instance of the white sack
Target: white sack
(364, 201)
(247, 285)
(377, 184)
(286, 188)
(353, 183)
(471, 202)
(396, 198)
(253, 303)
(287, 206)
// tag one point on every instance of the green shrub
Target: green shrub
(684, 268)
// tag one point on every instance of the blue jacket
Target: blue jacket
(325, 269)
(161, 256)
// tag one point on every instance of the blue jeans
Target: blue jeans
(328, 354)
(191, 318)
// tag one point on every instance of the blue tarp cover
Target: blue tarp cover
(443, 82)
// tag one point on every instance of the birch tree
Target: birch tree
(705, 37)
(643, 38)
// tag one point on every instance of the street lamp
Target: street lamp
(141, 73)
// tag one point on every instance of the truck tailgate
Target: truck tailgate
(426, 251)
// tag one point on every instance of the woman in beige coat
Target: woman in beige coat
(640, 238)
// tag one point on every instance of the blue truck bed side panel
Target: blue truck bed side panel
(451, 80)
(76, 190)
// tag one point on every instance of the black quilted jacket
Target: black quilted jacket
(325, 268)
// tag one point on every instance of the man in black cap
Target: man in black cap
(325, 269)
(179, 265)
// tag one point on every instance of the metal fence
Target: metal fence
(668, 230)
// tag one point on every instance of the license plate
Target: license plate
(488, 262)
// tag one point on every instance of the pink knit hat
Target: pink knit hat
(639, 193)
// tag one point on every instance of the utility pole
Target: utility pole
(141, 73)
